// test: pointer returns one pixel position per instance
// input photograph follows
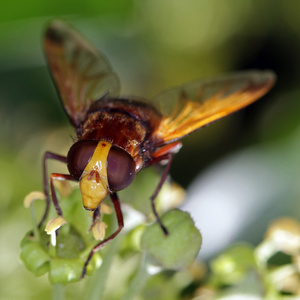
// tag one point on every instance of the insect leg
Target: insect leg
(164, 153)
(163, 178)
(48, 155)
(96, 216)
(115, 200)
(57, 176)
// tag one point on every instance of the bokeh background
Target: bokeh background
(240, 173)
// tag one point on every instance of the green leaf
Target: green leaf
(35, 258)
(177, 250)
(65, 270)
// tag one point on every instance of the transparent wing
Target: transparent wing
(188, 108)
(81, 74)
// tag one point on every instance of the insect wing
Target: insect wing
(188, 108)
(81, 73)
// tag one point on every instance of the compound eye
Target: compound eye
(120, 169)
(79, 155)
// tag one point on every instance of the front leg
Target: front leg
(49, 155)
(57, 176)
(115, 200)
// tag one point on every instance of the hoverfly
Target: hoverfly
(118, 137)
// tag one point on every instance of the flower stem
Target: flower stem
(34, 223)
(58, 292)
(138, 281)
(96, 285)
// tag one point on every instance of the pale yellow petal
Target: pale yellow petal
(54, 223)
(35, 195)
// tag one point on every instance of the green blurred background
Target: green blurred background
(152, 45)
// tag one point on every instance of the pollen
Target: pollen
(99, 230)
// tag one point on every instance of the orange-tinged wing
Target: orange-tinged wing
(81, 74)
(188, 108)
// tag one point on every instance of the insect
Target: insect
(118, 137)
